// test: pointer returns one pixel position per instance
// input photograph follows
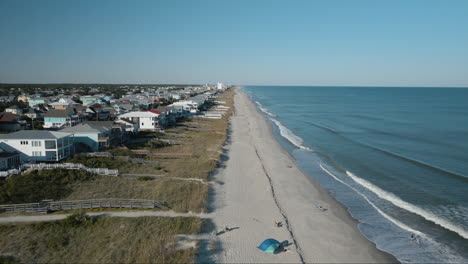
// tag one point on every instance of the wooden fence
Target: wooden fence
(51, 206)
(66, 166)
(71, 166)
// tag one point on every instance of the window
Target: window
(24, 142)
(50, 144)
(36, 153)
(36, 143)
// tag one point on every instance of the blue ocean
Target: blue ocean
(396, 158)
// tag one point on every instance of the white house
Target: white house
(187, 105)
(14, 109)
(145, 120)
(64, 103)
(39, 145)
(220, 86)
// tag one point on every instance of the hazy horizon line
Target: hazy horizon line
(178, 84)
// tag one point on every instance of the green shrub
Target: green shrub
(96, 162)
(7, 260)
(39, 185)
(79, 219)
(156, 144)
(145, 178)
(123, 152)
(57, 241)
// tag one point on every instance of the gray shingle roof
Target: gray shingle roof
(34, 134)
(89, 127)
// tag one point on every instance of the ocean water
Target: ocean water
(396, 158)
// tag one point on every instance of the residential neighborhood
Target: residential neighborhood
(52, 124)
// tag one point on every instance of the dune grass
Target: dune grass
(102, 240)
(204, 145)
(129, 240)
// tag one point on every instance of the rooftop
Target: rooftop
(35, 134)
(90, 126)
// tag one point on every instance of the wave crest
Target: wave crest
(397, 201)
(264, 110)
(388, 217)
(289, 135)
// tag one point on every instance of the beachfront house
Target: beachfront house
(145, 120)
(9, 159)
(39, 145)
(96, 135)
(128, 125)
(170, 114)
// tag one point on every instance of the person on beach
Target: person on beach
(414, 238)
(322, 208)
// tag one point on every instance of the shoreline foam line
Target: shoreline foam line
(397, 201)
(264, 110)
(388, 217)
(289, 135)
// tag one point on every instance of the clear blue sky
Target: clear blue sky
(384, 43)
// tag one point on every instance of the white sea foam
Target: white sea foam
(397, 201)
(447, 253)
(289, 135)
(264, 110)
(389, 218)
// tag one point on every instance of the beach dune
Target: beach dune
(262, 184)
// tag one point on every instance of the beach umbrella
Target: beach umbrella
(269, 245)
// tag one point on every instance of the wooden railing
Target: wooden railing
(51, 206)
(66, 166)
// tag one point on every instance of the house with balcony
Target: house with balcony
(144, 120)
(9, 159)
(96, 135)
(39, 145)
(61, 118)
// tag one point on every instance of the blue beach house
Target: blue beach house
(61, 118)
(95, 135)
(36, 101)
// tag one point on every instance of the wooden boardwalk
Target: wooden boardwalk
(52, 206)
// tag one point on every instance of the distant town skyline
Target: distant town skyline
(301, 43)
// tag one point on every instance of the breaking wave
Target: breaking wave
(397, 201)
(389, 218)
(289, 135)
(264, 110)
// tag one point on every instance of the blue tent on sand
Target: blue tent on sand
(269, 245)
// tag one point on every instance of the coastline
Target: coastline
(262, 184)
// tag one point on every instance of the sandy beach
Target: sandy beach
(262, 184)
